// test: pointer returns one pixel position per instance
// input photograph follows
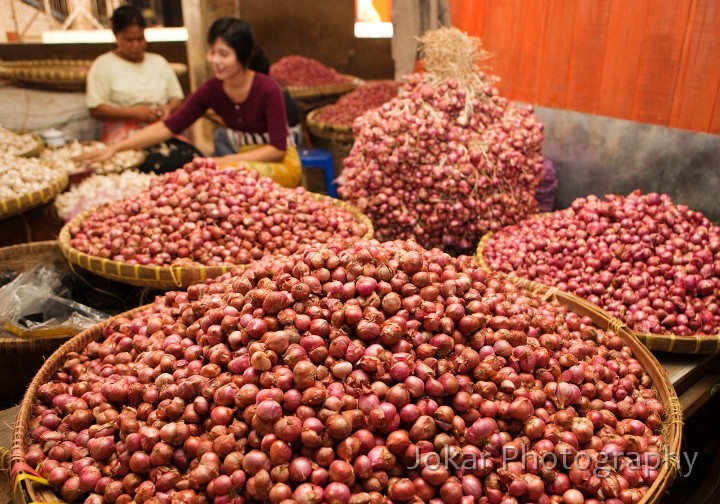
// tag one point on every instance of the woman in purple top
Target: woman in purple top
(248, 102)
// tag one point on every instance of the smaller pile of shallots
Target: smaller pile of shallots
(650, 263)
(201, 214)
(352, 105)
(300, 71)
(350, 375)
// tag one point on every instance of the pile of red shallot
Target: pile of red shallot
(362, 373)
(355, 103)
(652, 264)
(448, 159)
(296, 70)
(201, 214)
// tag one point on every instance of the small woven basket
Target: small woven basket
(312, 92)
(338, 140)
(36, 149)
(134, 159)
(164, 277)
(27, 490)
(673, 343)
(12, 206)
(20, 358)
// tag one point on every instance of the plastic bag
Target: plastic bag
(34, 305)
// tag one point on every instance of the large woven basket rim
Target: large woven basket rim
(10, 207)
(326, 89)
(63, 74)
(673, 421)
(52, 364)
(167, 277)
(672, 343)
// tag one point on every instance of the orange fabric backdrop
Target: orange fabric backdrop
(652, 61)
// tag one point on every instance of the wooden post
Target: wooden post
(198, 15)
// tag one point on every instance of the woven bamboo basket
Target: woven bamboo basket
(338, 140)
(673, 343)
(156, 277)
(36, 149)
(28, 489)
(166, 277)
(312, 92)
(21, 357)
(13, 206)
(56, 74)
(673, 417)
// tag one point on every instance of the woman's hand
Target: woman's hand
(147, 113)
(96, 156)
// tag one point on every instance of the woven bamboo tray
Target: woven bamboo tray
(20, 358)
(27, 490)
(673, 343)
(311, 92)
(165, 277)
(56, 74)
(13, 206)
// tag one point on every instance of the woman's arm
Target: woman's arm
(149, 135)
(265, 154)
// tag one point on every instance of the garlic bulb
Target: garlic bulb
(98, 189)
(62, 157)
(20, 176)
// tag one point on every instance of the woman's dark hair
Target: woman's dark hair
(125, 16)
(259, 61)
(237, 34)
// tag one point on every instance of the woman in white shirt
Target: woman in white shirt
(128, 88)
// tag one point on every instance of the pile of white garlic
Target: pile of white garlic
(62, 157)
(13, 143)
(22, 176)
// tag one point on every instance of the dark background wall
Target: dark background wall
(321, 29)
